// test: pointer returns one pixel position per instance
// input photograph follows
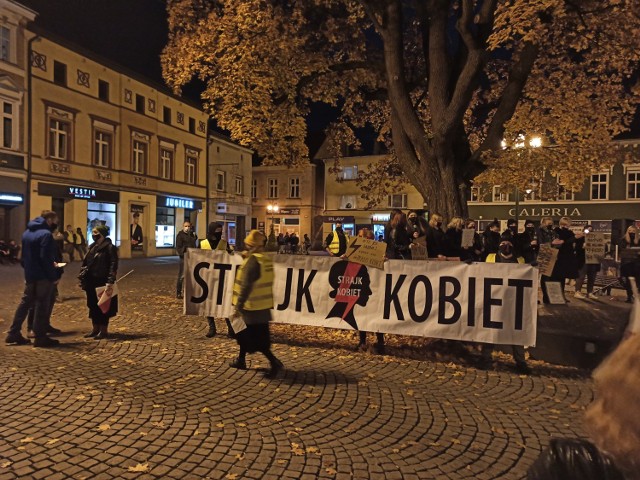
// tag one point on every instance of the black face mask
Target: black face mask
(53, 226)
(549, 227)
(413, 219)
(513, 228)
(439, 224)
(530, 229)
(505, 249)
(632, 237)
(217, 235)
(96, 237)
(338, 230)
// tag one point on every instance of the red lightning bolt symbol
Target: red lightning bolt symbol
(350, 272)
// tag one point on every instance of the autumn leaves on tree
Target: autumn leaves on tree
(452, 87)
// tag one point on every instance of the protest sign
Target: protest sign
(594, 247)
(547, 256)
(492, 303)
(366, 252)
(467, 237)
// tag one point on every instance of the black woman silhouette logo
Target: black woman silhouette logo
(351, 286)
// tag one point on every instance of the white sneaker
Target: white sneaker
(579, 295)
(592, 296)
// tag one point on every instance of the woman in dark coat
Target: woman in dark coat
(567, 263)
(101, 264)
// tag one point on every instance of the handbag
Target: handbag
(83, 276)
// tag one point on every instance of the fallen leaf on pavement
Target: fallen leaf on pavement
(53, 441)
(104, 427)
(141, 467)
(27, 440)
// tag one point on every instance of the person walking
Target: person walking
(41, 276)
(566, 266)
(253, 300)
(185, 239)
(214, 241)
(101, 268)
(69, 242)
(337, 241)
(80, 244)
(505, 255)
(586, 270)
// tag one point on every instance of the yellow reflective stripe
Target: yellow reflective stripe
(261, 296)
(204, 245)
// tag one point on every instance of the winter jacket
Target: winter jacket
(567, 264)
(102, 263)
(184, 241)
(435, 242)
(39, 252)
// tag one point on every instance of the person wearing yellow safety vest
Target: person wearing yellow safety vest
(337, 241)
(504, 255)
(214, 241)
(253, 300)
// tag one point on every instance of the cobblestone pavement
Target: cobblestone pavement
(159, 401)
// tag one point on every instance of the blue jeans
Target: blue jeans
(37, 295)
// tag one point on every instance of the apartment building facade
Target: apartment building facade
(14, 41)
(110, 147)
(288, 199)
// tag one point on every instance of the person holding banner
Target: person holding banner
(337, 241)
(587, 269)
(505, 255)
(99, 268)
(253, 300)
(435, 237)
(566, 266)
(214, 241)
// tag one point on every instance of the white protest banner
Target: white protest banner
(367, 252)
(467, 237)
(594, 247)
(493, 303)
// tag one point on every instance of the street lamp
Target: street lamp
(534, 142)
(272, 209)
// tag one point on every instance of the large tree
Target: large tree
(453, 87)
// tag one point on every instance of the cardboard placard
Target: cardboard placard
(547, 256)
(467, 237)
(419, 249)
(594, 247)
(555, 293)
(366, 252)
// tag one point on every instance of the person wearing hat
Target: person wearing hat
(214, 241)
(253, 300)
(505, 255)
(99, 268)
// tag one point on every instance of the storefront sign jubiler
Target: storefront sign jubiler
(546, 212)
(11, 198)
(483, 302)
(178, 203)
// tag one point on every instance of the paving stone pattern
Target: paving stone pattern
(160, 398)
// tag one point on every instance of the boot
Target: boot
(103, 334)
(230, 332)
(239, 363)
(276, 366)
(94, 331)
(212, 327)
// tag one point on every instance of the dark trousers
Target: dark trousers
(518, 353)
(81, 249)
(363, 338)
(38, 296)
(32, 312)
(69, 248)
(180, 276)
(589, 271)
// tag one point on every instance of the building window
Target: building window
(474, 194)
(347, 202)
(239, 185)
(59, 73)
(633, 185)
(564, 194)
(8, 122)
(165, 227)
(499, 195)
(221, 181)
(102, 148)
(103, 90)
(273, 187)
(192, 165)
(166, 163)
(59, 139)
(254, 188)
(349, 173)
(139, 103)
(139, 157)
(294, 187)
(166, 115)
(5, 44)
(192, 125)
(397, 201)
(599, 183)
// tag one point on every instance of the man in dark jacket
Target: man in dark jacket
(185, 239)
(41, 276)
